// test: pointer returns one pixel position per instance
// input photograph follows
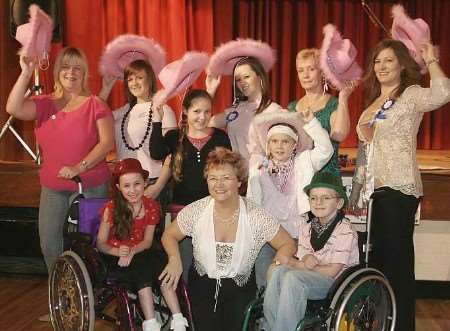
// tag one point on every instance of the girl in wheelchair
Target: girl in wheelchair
(327, 245)
(125, 237)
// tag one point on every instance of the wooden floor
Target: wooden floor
(23, 300)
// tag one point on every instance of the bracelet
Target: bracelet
(434, 60)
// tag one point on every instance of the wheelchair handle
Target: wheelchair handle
(77, 179)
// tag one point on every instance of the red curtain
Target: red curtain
(287, 25)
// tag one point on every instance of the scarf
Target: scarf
(321, 233)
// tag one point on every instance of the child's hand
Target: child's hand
(307, 115)
(171, 273)
(124, 261)
(310, 261)
(124, 251)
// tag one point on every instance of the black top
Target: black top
(193, 185)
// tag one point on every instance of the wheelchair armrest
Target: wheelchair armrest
(80, 237)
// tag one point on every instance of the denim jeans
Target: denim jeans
(287, 293)
(53, 209)
(262, 263)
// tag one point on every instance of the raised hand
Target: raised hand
(212, 84)
(429, 52)
(27, 65)
(306, 115)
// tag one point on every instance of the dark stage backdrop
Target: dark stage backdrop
(181, 25)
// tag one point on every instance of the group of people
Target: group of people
(254, 191)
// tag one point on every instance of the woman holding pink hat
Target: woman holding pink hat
(387, 167)
(74, 130)
(339, 69)
(248, 61)
(137, 60)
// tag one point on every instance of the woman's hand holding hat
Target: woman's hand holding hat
(348, 89)
(212, 83)
(429, 53)
(27, 65)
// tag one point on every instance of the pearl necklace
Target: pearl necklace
(227, 221)
(147, 130)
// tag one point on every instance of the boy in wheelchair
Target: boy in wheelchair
(327, 245)
(125, 237)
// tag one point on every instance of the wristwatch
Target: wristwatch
(83, 165)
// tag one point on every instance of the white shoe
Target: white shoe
(179, 323)
(151, 325)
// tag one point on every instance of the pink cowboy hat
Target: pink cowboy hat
(179, 75)
(263, 122)
(412, 33)
(227, 55)
(127, 48)
(338, 58)
(36, 35)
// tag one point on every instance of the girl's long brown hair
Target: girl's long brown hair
(177, 162)
(257, 67)
(410, 74)
(123, 217)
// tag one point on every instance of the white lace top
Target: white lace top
(263, 229)
(389, 159)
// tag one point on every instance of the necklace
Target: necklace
(147, 130)
(135, 215)
(229, 220)
(310, 105)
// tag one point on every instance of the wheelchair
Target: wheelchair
(361, 299)
(81, 288)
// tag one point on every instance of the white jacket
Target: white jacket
(306, 164)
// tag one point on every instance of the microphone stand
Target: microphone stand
(36, 89)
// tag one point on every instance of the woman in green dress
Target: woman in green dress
(331, 112)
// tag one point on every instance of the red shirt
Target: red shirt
(151, 217)
(65, 138)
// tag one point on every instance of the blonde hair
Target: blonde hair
(68, 54)
(308, 53)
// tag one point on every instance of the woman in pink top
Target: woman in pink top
(75, 132)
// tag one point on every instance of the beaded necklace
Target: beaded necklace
(147, 130)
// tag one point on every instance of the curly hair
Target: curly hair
(221, 156)
(410, 75)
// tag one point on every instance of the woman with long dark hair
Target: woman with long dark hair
(387, 165)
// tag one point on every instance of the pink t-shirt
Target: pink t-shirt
(65, 138)
(341, 247)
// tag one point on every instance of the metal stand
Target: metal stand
(36, 90)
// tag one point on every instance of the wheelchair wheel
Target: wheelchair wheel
(364, 302)
(71, 298)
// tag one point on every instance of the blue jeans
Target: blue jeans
(53, 209)
(262, 263)
(287, 293)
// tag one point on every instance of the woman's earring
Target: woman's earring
(262, 84)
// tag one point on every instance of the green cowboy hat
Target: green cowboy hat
(328, 180)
